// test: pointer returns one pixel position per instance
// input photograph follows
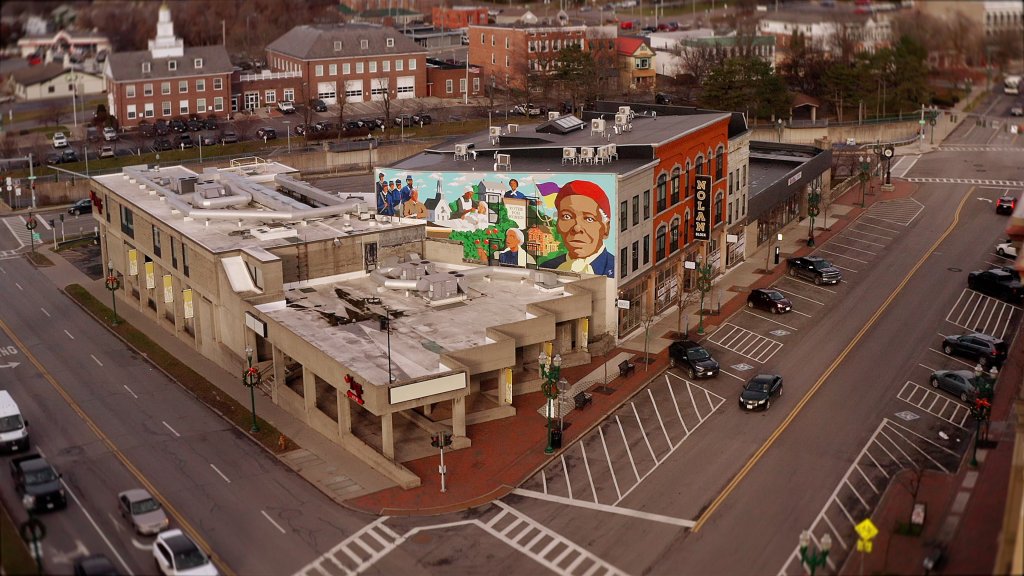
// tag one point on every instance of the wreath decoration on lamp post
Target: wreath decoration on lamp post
(251, 377)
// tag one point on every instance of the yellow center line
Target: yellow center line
(832, 367)
(192, 532)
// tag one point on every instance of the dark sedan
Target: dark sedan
(95, 565)
(768, 299)
(161, 144)
(178, 126)
(757, 394)
(266, 133)
(1006, 204)
(959, 383)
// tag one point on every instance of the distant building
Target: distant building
(673, 49)
(868, 31)
(78, 44)
(458, 16)
(507, 53)
(52, 80)
(989, 17)
(168, 80)
(636, 65)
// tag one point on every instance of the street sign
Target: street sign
(866, 529)
(36, 236)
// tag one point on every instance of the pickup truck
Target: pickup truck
(37, 483)
(813, 268)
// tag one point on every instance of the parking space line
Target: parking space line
(586, 464)
(568, 483)
(865, 476)
(844, 268)
(877, 465)
(853, 229)
(644, 434)
(880, 228)
(910, 390)
(770, 320)
(607, 456)
(544, 480)
(850, 247)
(800, 296)
(629, 452)
(658, 413)
(847, 480)
(880, 219)
(879, 244)
(675, 402)
(810, 284)
(843, 256)
(733, 375)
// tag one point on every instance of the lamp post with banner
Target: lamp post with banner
(813, 200)
(251, 378)
(549, 371)
(113, 283)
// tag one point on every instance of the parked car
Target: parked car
(37, 483)
(109, 134)
(959, 383)
(210, 123)
(68, 155)
(403, 120)
(178, 126)
(195, 124)
(59, 140)
(53, 158)
(354, 125)
(94, 565)
(161, 128)
(694, 357)
(146, 129)
(1006, 249)
(266, 133)
(770, 300)
(107, 152)
(379, 122)
(1017, 110)
(175, 553)
(981, 348)
(83, 206)
(757, 393)
(144, 512)
(421, 119)
(1001, 283)
(527, 110)
(662, 98)
(318, 105)
(819, 270)
(1004, 205)
(286, 107)
(184, 141)
(207, 140)
(161, 144)
(91, 134)
(300, 129)
(229, 137)
(325, 126)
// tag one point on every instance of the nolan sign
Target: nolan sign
(702, 207)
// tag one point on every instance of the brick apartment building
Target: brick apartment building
(508, 53)
(168, 80)
(357, 62)
(458, 17)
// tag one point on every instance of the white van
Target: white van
(13, 428)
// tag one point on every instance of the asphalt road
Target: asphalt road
(109, 422)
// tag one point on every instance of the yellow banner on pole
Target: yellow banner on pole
(186, 301)
(150, 275)
(168, 288)
(133, 262)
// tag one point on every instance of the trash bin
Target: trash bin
(556, 439)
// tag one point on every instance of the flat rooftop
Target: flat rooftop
(226, 233)
(335, 318)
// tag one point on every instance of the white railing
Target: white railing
(268, 75)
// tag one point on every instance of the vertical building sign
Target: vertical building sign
(702, 207)
(186, 301)
(150, 276)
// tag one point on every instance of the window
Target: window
(448, 85)
(364, 44)
(494, 59)
(718, 208)
(201, 105)
(508, 61)
(674, 245)
(636, 210)
(346, 68)
(129, 91)
(184, 260)
(373, 66)
(492, 39)
(127, 222)
(319, 70)
(385, 65)
(686, 181)
(146, 67)
(197, 63)
(643, 63)
(481, 38)
(647, 249)
(647, 204)
(183, 107)
(156, 241)
(147, 89)
(476, 84)
(412, 63)
(507, 43)
(332, 70)
(172, 64)
(623, 216)
(661, 193)
(289, 94)
(149, 110)
(462, 85)
(201, 85)
(165, 88)
(183, 87)
(719, 163)
(131, 112)
(218, 104)
(174, 255)
(398, 65)
(636, 255)
(218, 83)
(390, 42)
(675, 185)
(698, 168)
(659, 251)
(744, 175)
(359, 67)
(337, 46)
(270, 96)
(686, 226)
(623, 262)
(165, 108)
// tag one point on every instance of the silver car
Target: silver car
(959, 383)
(142, 510)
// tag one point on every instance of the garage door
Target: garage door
(353, 91)
(406, 87)
(327, 92)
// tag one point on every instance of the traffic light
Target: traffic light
(355, 389)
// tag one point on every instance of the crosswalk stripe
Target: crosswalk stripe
(975, 181)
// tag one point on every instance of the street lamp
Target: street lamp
(113, 283)
(864, 176)
(563, 385)
(780, 129)
(251, 379)
(813, 198)
(549, 370)
(812, 559)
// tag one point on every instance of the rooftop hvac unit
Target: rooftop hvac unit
(462, 151)
(553, 115)
(495, 133)
(624, 110)
(502, 161)
(597, 126)
(513, 128)
(621, 119)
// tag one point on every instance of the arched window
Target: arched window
(719, 162)
(661, 192)
(718, 207)
(686, 227)
(674, 236)
(698, 166)
(675, 185)
(686, 180)
(659, 252)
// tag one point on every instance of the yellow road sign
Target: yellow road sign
(864, 546)
(866, 529)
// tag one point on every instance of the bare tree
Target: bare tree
(384, 102)
(244, 124)
(53, 113)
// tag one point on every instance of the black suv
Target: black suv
(83, 206)
(814, 268)
(318, 105)
(266, 133)
(161, 144)
(1006, 204)
(692, 355)
(1001, 283)
(986, 350)
(184, 141)
(178, 126)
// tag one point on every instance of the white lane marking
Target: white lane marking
(852, 229)
(586, 464)
(799, 296)
(629, 452)
(69, 334)
(731, 374)
(770, 320)
(909, 166)
(45, 312)
(843, 256)
(212, 466)
(804, 314)
(271, 520)
(130, 391)
(808, 283)
(607, 457)
(94, 525)
(928, 368)
(19, 286)
(2, 269)
(859, 223)
(175, 432)
(834, 243)
(844, 237)
(96, 359)
(605, 508)
(845, 268)
(142, 545)
(954, 358)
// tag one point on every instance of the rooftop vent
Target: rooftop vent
(273, 233)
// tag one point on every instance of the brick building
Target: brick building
(358, 62)
(458, 16)
(509, 53)
(168, 80)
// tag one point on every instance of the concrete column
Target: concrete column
(344, 414)
(459, 416)
(278, 358)
(309, 390)
(583, 332)
(387, 436)
(505, 386)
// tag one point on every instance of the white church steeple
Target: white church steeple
(166, 45)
